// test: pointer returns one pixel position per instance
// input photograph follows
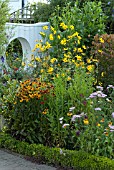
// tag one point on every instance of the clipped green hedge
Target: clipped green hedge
(77, 159)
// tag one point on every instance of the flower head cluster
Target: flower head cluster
(30, 89)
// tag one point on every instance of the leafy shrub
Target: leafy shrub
(4, 16)
(103, 51)
(42, 12)
(56, 156)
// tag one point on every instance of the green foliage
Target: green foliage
(103, 51)
(56, 156)
(4, 16)
(42, 12)
(87, 20)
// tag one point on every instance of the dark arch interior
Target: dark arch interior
(14, 54)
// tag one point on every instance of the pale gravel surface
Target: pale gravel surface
(12, 161)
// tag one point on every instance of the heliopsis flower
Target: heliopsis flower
(23, 64)
(79, 50)
(50, 70)
(90, 67)
(101, 40)
(79, 58)
(69, 78)
(42, 33)
(98, 124)
(59, 37)
(69, 114)
(45, 27)
(100, 51)
(84, 47)
(63, 41)
(51, 37)
(53, 60)
(72, 27)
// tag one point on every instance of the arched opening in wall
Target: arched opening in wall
(17, 51)
(14, 54)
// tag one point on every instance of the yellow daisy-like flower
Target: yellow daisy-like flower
(45, 27)
(75, 49)
(88, 60)
(72, 27)
(50, 70)
(51, 37)
(63, 41)
(42, 70)
(90, 68)
(65, 60)
(42, 33)
(79, 58)
(101, 40)
(59, 37)
(100, 51)
(48, 45)
(98, 124)
(53, 60)
(84, 47)
(52, 28)
(23, 64)
(86, 122)
(38, 59)
(69, 78)
(54, 31)
(80, 50)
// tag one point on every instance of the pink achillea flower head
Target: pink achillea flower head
(99, 87)
(74, 117)
(113, 114)
(97, 94)
(98, 108)
(110, 86)
(111, 127)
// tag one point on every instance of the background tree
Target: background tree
(4, 10)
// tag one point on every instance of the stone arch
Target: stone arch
(25, 47)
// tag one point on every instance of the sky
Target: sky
(31, 1)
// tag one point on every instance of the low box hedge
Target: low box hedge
(78, 160)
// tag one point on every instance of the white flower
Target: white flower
(65, 125)
(61, 118)
(98, 108)
(71, 109)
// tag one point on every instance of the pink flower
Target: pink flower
(64, 126)
(74, 117)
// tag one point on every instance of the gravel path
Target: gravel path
(11, 161)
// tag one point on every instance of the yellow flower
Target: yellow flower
(45, 111)
(86, 122)
(65, 60)
(72, 27)
(102, 74)
(23, 64)
(42, 33)
(52, 28)
(88, 60)
(69, 114)
(65, 49)
(53, 60)
(51, 37)
(69, 78)
(63, 26)
(75, 34)
(98, 124)
(38, 59)
(54, 31)
(78, 41)
(45, 27)
(59, 37)
(100, 51)
(75, 49)
(63, 74)
(79, 58)
(42, 70)
(63, 41)
(90, 67)
(79, 50)
(101, 40)
(50, 70)
(84, 47)
(48, 45)
(79, 37)
(110, 123)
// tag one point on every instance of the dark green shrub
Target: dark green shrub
(78, 160)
